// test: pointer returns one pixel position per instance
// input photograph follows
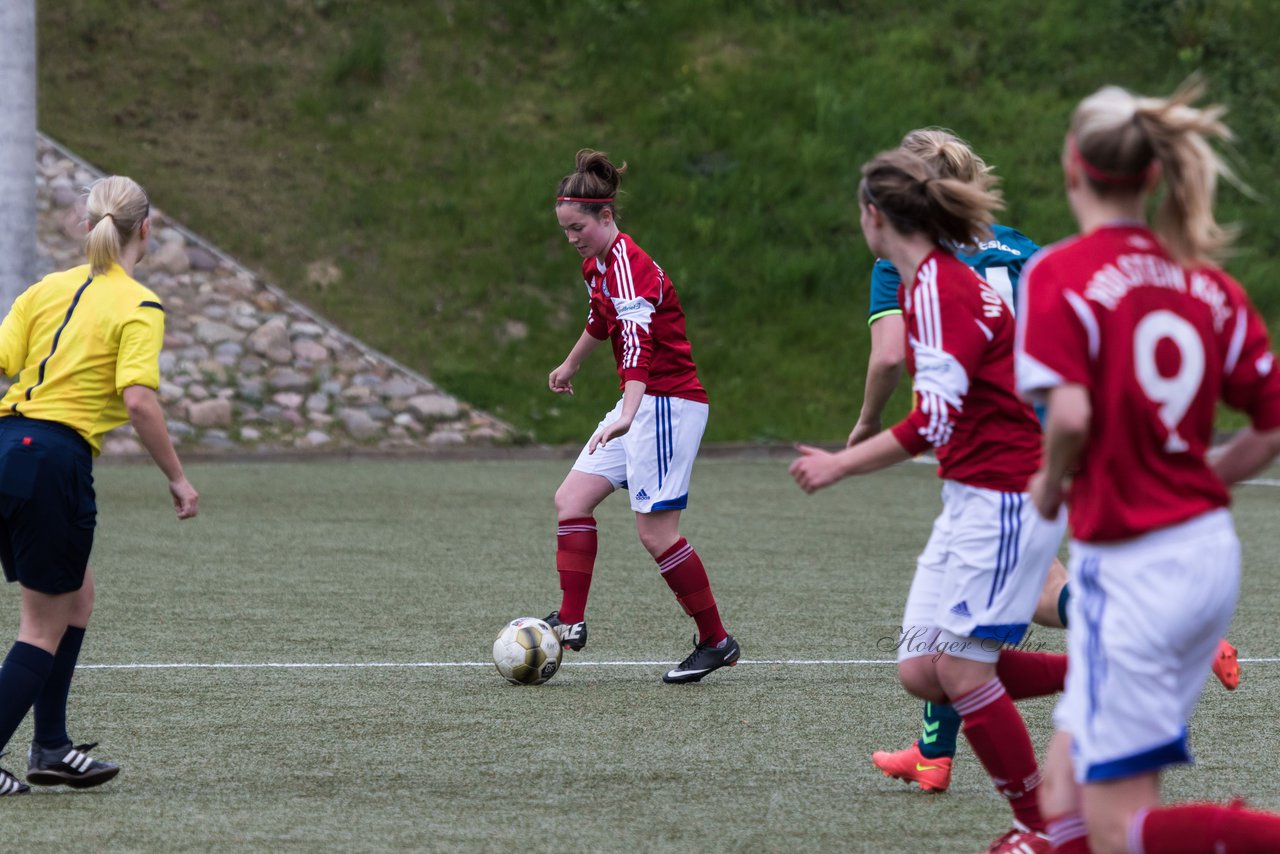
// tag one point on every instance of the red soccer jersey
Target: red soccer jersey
(634, 304)
(960, 357)
(1156, 346)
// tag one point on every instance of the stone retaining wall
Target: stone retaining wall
(245, 369)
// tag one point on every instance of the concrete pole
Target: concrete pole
(17, 148)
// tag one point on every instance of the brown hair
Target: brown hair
(1120, 135)
(593, 177)
(117, 207)
(917, 200)
(948, 154)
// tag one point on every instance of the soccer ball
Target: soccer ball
(527, 652)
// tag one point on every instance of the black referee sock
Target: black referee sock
(26, 669)
(51, 704)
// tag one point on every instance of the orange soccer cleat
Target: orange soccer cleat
(1226, 666)
(910, 765)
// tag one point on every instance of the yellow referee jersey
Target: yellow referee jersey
(76, 343)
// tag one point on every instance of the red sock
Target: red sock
(575, 558)
(1205, 827)
(1067, 834)
(999, 738)
(1031, 674)
(684, 573)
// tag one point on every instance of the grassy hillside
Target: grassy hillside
(416, 145)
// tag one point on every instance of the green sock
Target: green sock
(941, 725)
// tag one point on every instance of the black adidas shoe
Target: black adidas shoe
(11, 785)
(705, 658)
(70, 766)
(572, 635)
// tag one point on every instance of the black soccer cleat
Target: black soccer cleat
(11, 785)
(572, 635)
(705, 658)
(68, 766)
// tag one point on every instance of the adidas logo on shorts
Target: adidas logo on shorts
(961, 609)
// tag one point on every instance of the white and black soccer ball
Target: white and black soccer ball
(527, 652)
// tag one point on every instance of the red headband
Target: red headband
(581, 201)
(1104, 176)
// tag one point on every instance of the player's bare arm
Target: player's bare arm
(1065, 433)
(1248, 453)
(559, 378)
(884, 370)
(148, 421)
(816, 468)
(632, 394)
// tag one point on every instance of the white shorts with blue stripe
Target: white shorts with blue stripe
(654, 459)
(1144, 620)
(980, 575)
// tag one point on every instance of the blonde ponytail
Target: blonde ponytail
(949, 155)
(917, 200)
(1121, 136)
(117, 206)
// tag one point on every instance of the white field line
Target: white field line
(358, 665)
(301, 665)
(336, 665)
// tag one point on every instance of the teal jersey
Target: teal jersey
(998, 261)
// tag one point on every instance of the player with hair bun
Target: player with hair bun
(84, 345)
(979, 578)
(1147, 336)
(648, 442)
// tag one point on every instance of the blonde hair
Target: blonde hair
(1119, 136)
(948, 154)
(593, 177)
(117, 207)
(918, 200)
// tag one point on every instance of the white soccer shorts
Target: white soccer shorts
(980, 575)
(654, 459)
(1145, 619)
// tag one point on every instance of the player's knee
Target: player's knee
(920, 679)
(44, 634)
(1108, 838)
(571, 503)
(656, 543)
(563, 501)
(84, 606)
(1057, 791)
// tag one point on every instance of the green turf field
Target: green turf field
(417, 565)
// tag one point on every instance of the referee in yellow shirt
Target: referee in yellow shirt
(84, 345)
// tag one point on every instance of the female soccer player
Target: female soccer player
(978, 580)
(85, 346)
(648, 442)
(999, 261)
(1147, 336)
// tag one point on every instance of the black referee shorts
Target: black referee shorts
(47, 505)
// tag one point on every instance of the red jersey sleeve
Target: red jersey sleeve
(1250, 381)
(948, 340)
(636, 293)
(597, 327)
(1057, 332)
